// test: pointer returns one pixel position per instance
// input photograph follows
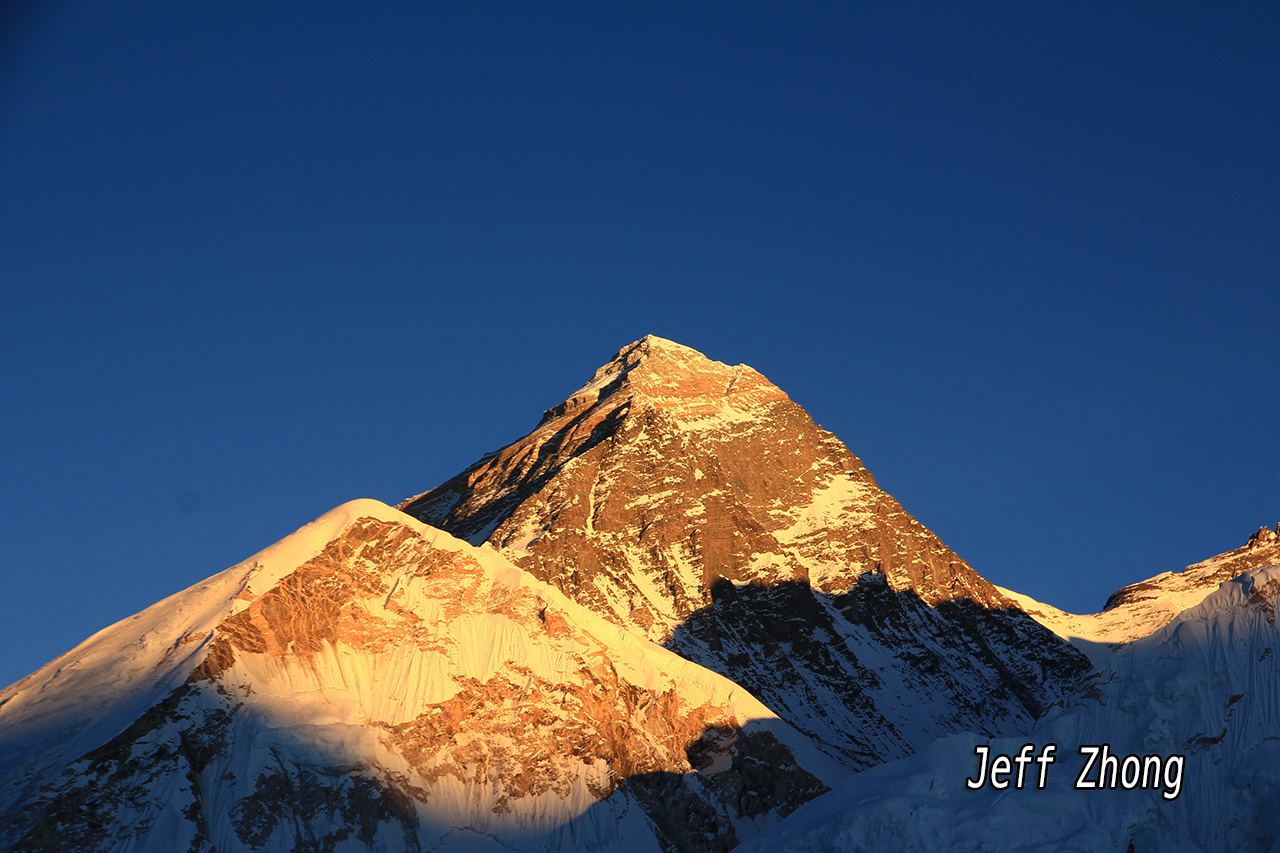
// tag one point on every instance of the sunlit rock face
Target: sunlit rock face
(374, 684)
(668, 472)
(696, 502)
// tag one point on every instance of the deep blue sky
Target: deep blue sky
(259, 259)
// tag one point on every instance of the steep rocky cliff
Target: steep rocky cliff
(696, 502)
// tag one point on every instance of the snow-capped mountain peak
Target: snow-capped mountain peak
(417, 690)
(665, 619)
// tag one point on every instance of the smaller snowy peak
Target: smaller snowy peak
(86, 695)
(672, 377)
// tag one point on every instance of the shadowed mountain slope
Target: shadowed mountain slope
(1199, 695)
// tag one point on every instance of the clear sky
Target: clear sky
(258, 259)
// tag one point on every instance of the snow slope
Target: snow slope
(84, 697)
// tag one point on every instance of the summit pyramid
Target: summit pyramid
(669, 472)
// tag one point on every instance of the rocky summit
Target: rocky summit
(669, 472)
(696, 502)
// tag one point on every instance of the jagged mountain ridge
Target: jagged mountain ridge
(371, 683)
(696, 502)
(1142, 608)
(1262, 549)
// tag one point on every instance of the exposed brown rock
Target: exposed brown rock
(670, 476)
(217, 660)
(687, 471)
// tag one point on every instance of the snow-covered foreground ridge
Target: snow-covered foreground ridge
(1202, 694)
(372, 683)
